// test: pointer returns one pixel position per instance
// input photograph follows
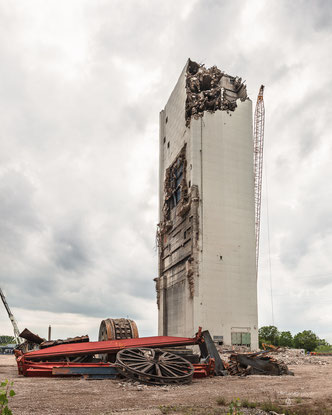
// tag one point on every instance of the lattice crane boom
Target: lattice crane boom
(11, 317)
(258, 163)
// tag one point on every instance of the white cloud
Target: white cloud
(81, 85)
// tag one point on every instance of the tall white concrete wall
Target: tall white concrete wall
(219, 153)
(226, 300)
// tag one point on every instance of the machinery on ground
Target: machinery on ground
(11, 317)
(157, 360)
(147, 359)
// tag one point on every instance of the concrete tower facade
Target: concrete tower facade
(206, 234)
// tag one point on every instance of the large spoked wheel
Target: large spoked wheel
(154, 366)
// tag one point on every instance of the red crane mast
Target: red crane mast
(258, 164)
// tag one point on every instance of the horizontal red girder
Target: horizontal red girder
(109, 346)
(45, 369)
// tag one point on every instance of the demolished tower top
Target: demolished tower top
(210, 89)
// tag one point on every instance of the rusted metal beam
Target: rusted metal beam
(31, 337)
(110, 346)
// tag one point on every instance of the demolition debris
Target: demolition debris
(256, 364)
(210, 89)
(159, 360)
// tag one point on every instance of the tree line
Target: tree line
(305, 339)
(4, 340)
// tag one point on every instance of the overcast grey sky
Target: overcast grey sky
(81, 86)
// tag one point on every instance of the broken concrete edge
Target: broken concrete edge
(185, 206)
(210, 89)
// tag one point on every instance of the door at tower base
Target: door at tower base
(241, 339)
(206, 231)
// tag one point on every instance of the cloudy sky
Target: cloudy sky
(81, 86)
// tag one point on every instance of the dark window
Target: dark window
(164, 140)
(178, 180)
(166, 120)
(178, 173)
(177, 195)
(168, 145)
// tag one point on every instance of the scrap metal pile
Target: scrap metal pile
(120, 352)
(243, 364)
(152, 360)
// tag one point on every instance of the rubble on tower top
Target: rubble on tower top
(210, 89)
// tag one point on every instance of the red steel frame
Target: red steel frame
(35, 363)
(110, 346)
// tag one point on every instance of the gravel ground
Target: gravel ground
(309, 388)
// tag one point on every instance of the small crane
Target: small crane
(258, 164)
(11, 317)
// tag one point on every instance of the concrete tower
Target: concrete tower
(206, 234)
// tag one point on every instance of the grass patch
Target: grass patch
(268, 406)
(236, 407)
(167, 409)
(221, 401)
(247, 404)
(190, 410)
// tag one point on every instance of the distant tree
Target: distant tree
(323, 342)
(323, 349)
(286, 339)
(268, 334)
(306, 340)
(7, 340)
(323, 346)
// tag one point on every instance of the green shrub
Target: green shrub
(247, 404)
(5, 392)
(234, 407)
(268, 406)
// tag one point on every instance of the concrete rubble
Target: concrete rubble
(298, 357)
(283, 355)
(210, 89)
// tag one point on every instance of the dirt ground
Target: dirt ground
(309, 389)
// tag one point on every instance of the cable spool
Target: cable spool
(117, 329)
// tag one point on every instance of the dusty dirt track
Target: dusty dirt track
(310, 387)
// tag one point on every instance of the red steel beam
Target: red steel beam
(110, 346)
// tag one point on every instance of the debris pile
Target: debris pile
(255, 364)
(147, 360)
(34, 342)
(77, 339)
(210, 89)
(159, 360)
(239, 361)
(298, 357)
